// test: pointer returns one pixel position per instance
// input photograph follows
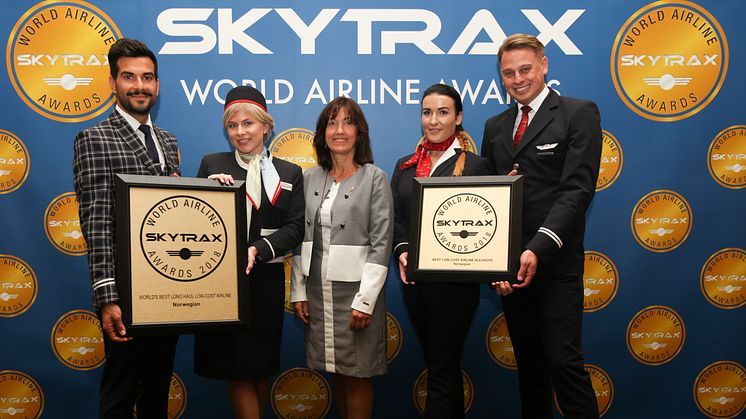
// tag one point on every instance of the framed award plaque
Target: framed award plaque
(181, 250)
(465, 229)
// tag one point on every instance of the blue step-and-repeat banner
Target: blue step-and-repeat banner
(665, 281)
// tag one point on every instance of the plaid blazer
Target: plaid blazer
(100, 152)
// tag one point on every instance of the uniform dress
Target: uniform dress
(346, 252)
(253, 351)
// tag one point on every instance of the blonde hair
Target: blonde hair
(254, 112)
(520, 40)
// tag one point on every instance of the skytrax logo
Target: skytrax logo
(202, 30)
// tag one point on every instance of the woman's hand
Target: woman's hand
(301, 311)
(222, 178)
(252, 257)
(359, 320)
(502, 288)
(403, 268)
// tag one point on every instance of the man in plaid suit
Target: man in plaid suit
(137, 371)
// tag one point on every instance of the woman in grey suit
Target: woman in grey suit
(274, 210)
(339, 274)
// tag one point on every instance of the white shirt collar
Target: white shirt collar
(134, 123)
(538, 100)
(447, 154)
(534, 104)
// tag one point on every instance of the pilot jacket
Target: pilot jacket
(558, 156)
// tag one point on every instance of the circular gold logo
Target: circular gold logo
(723, 278)
(464, 223)
(602, 387)
(62, 225)
(288, 266)
(18, 286)
(296, 146)
(420, 391)
(301, 393)
(20, 395)
(394, 338)
(661, 221)
(612, 160)
(183, 252)
(14, 162)
(57, 59)
(655, 335)
(669, 60)
(471, 145)
(177, 397)
(726, 157)
(720, 390)
(499, 345)
(600, 280)
(77, 340)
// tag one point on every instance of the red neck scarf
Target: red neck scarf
(421, 157)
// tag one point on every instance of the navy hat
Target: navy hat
(245, 94)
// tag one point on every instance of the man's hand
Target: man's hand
(301, 311)
(529, 263)
(252, 258)
(111, 319)
(359, 320)
(403, 268)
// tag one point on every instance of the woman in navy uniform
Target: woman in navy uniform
(441, 312)
(274, 211)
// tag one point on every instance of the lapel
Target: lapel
(446, 168)
(505, 130)
(543, 117)
(124, 130)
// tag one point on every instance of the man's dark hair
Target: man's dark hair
(132, 48)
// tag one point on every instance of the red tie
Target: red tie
(521, 126)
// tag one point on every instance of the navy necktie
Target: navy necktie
(150, 146)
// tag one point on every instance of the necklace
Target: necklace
(343, 174)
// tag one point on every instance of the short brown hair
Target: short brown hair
(363, 152)
(520, 40)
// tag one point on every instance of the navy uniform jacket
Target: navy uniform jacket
(443, 294)
(274, 230)
(559, 157)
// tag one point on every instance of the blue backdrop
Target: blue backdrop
(384, 54)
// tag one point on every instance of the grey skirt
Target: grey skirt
(330, 344)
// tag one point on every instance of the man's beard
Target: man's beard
(126, 103)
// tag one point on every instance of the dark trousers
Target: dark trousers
(442, 332)
(138, 373)
(544, 321)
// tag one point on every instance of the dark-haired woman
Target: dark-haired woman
(338, 278)
(441, 312)
(247, 357)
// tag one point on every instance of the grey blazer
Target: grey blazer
(361, 235)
